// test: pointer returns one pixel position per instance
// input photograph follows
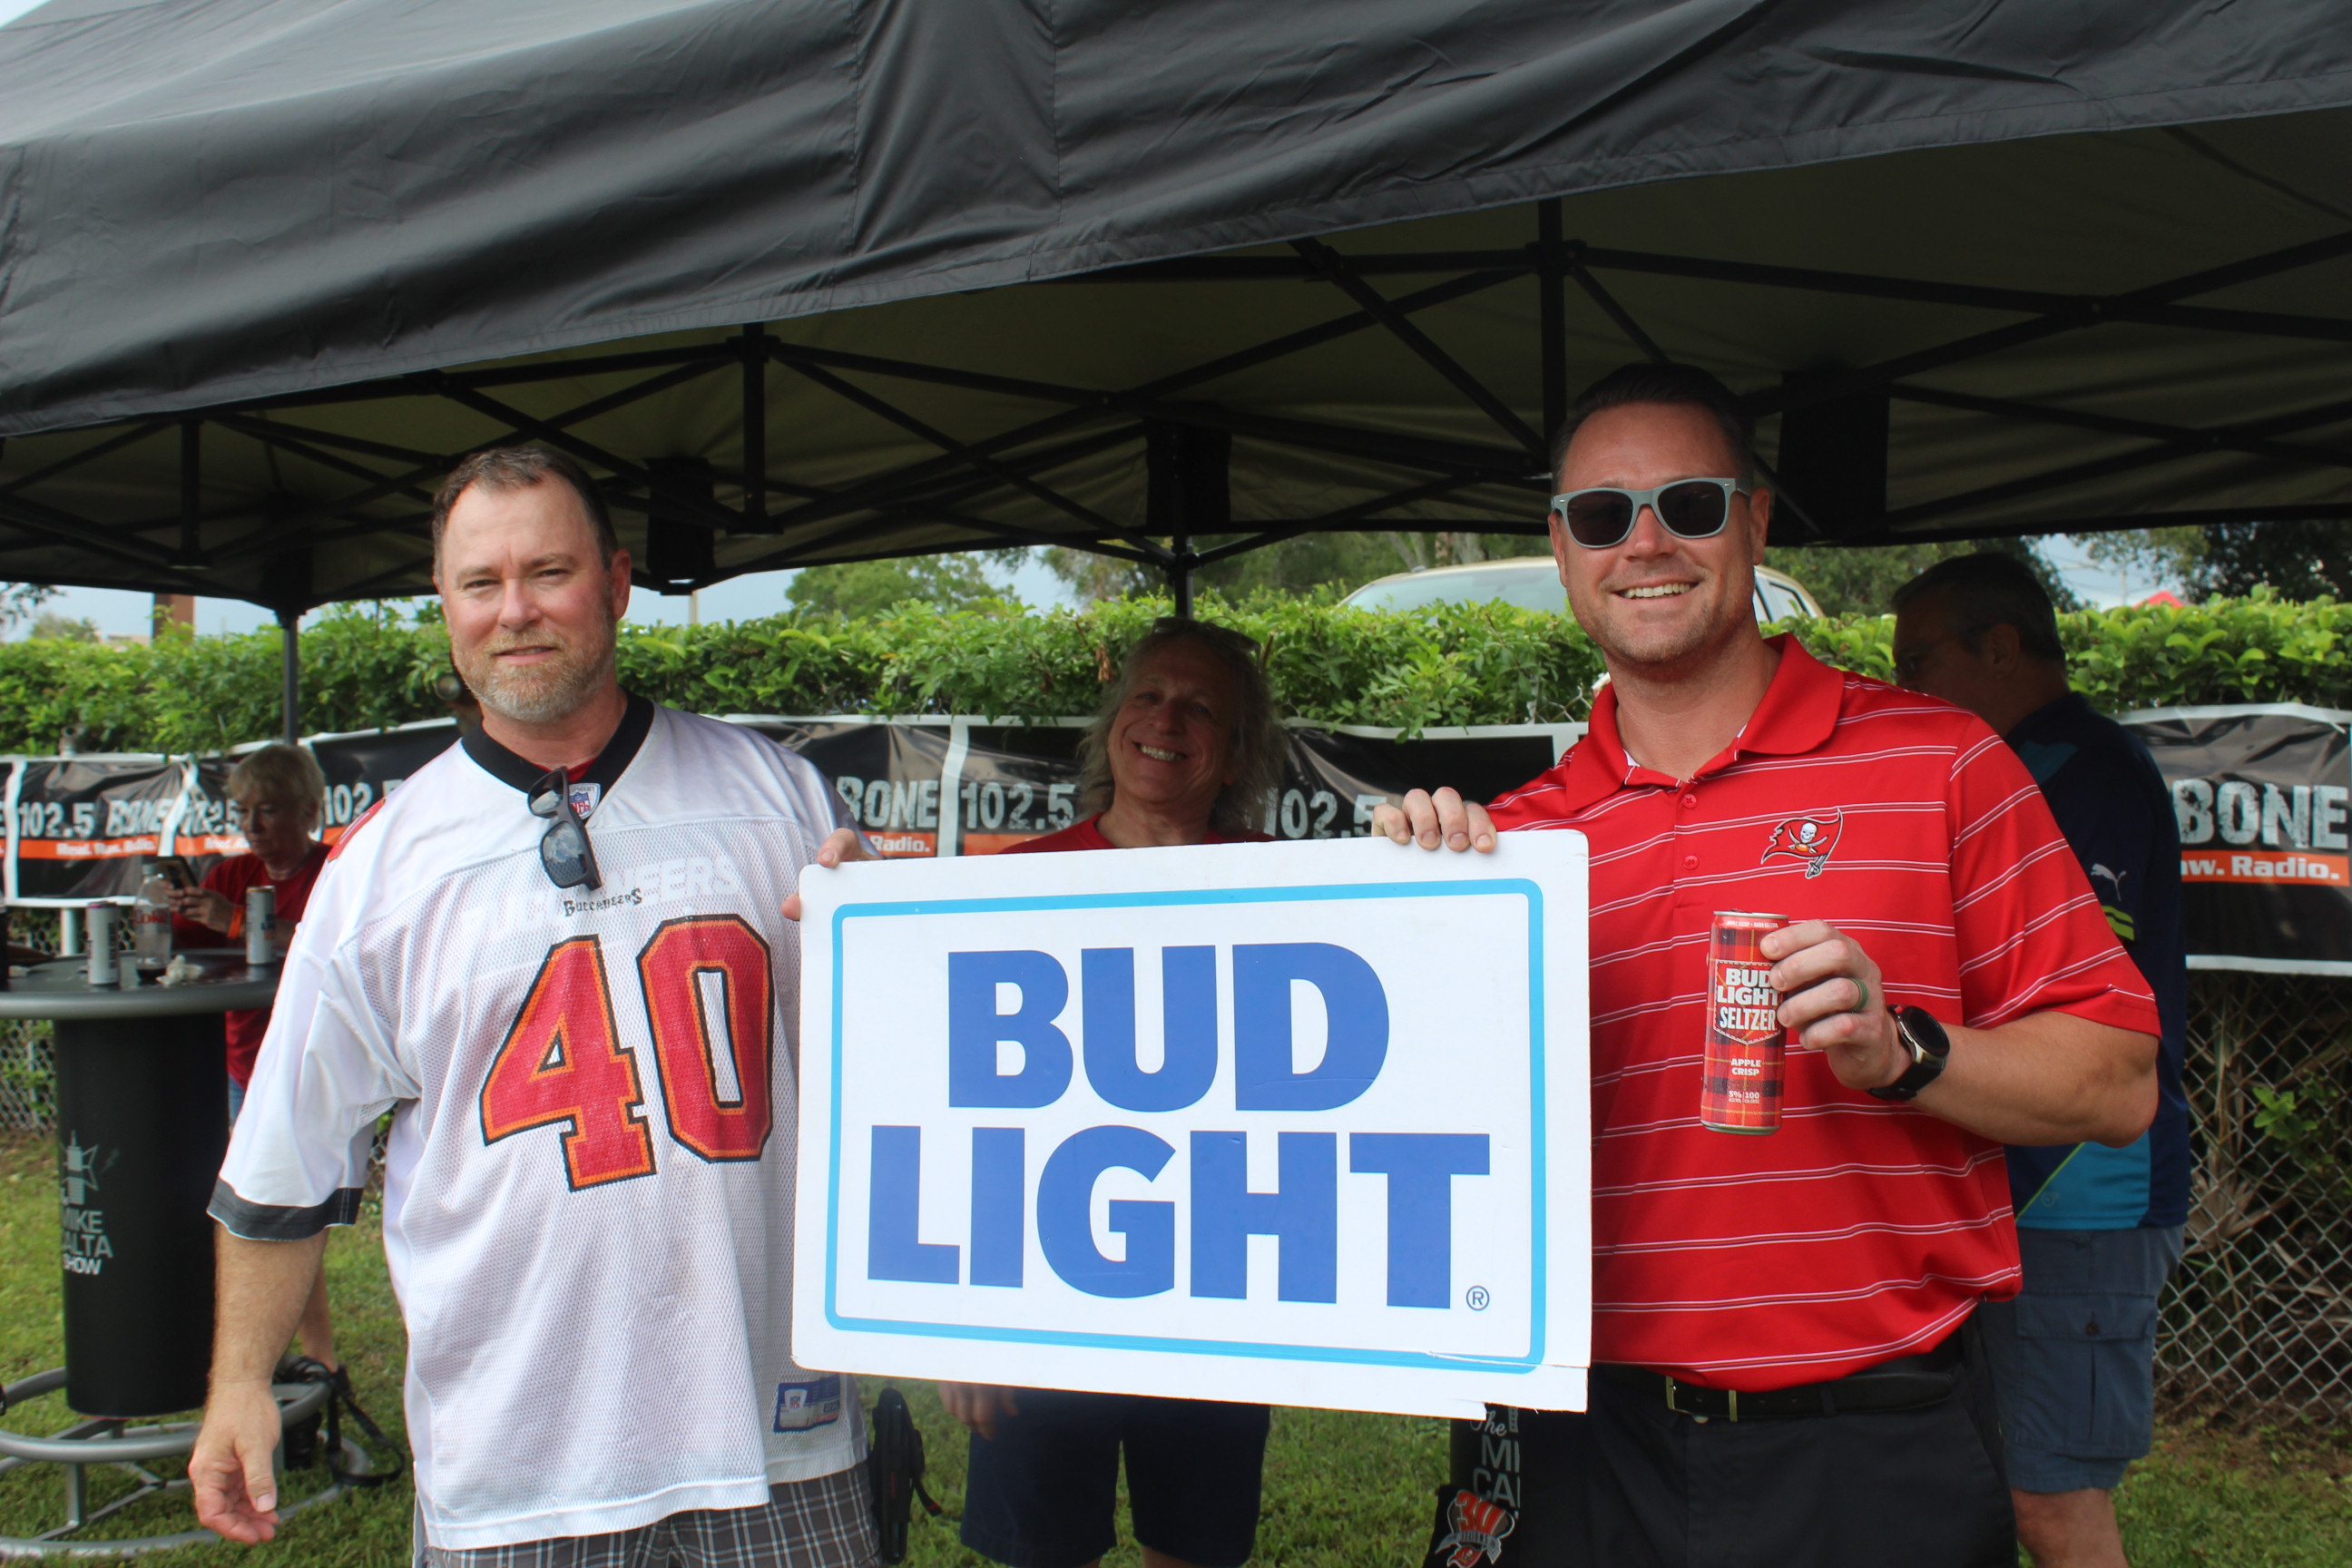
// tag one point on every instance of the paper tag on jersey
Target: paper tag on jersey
(804, 1407)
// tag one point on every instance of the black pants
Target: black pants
(1630, 1484)
(1042, 1493)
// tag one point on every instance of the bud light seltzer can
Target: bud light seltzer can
(260, 926)
(1740, 1086)
(102, 944)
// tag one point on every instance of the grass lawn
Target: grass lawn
(1341, 1489)
(370, 1527)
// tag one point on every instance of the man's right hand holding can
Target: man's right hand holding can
(1833, 997)
(2048, 1078)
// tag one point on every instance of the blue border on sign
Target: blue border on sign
(1364, 1356)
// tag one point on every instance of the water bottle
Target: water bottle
(152, 921)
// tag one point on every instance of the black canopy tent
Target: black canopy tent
(817, 282)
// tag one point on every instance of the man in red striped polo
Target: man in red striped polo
(1788, 1368)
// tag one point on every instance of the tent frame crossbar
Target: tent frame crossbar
(2169, 443)
(1334, 267)
(2146, 307)
(818, 524)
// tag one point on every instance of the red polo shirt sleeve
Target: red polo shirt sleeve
(2031, 934)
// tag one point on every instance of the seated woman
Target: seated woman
(1185, 750)
(278, 792)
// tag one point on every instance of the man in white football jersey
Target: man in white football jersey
(559, 956)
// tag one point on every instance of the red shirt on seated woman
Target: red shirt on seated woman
(278, 791)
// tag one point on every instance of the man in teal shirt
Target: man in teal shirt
(2099, 1229)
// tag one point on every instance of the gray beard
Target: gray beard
(548, 694)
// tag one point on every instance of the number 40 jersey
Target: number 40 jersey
(588, 1186)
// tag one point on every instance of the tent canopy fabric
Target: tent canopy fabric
(807, 282)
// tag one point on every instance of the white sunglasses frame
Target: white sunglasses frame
(1649, 499)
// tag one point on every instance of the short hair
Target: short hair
(278, 772)
(1685, 384)
(1259, 747)
(518, 469)
(1990, 589)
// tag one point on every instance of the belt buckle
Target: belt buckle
(1730, 1400)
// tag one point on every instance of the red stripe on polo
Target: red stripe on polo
(1860, 1231)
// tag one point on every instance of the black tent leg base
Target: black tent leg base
(105, 1441)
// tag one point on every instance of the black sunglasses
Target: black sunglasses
(1690, 508)
(563, 852)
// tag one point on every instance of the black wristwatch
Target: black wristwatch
(1929, 1047)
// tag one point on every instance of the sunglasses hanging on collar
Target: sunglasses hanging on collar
(563, 850)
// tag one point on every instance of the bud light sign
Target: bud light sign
(1295, 1122)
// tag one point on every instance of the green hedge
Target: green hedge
(2254, 650)
(1473, 664)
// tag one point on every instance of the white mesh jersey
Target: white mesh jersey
(588, 1188)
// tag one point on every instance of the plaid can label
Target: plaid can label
(1740, 1078)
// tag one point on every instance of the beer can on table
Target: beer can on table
(102, 944)
(1740, 1079)
(260, 926)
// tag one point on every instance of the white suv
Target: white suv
(1532, 582)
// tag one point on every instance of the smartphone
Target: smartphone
(174, 871)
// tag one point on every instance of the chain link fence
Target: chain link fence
(27, 1103)
(28, 1070)
(2259, 1318)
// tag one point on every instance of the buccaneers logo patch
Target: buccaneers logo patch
(1807, 838)
(1475, 1529)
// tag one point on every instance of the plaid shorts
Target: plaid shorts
(827, 1523)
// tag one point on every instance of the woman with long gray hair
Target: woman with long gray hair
(1185, 750)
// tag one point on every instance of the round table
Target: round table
(143, 1125)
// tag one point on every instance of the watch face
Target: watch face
(1923, 1034)
(1928, 1045)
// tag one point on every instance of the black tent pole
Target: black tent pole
(1180, 574)
(755, 428)
(1187, 491)
(1551, 307)
(289, 626)
(192, 498)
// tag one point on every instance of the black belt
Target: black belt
(1912, 1383)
